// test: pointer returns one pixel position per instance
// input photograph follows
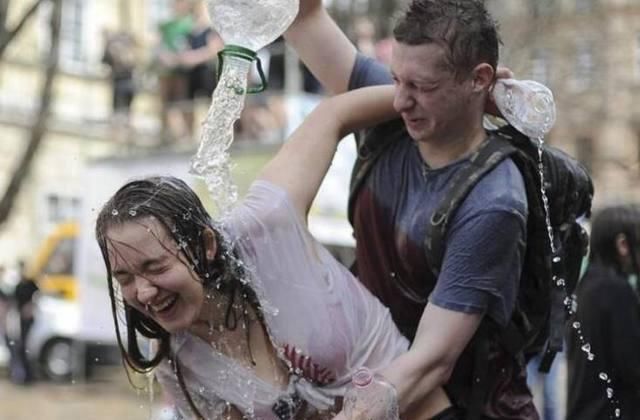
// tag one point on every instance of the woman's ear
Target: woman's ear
(623, 250)
(210, 244)
(622, 245)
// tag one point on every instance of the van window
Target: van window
(61, 260)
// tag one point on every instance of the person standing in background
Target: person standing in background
(608, 318)
(21, 372)
(200, 59)
(172, 74)
(120, 56)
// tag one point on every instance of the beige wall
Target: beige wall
(606, 109)
(79, 129)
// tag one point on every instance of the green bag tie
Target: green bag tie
(245, 54)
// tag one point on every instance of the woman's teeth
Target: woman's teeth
(165, 304)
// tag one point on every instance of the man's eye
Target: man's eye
(157, 270)
(426, 88)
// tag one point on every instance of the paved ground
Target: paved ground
(107, 397)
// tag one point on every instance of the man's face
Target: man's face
(432, 103)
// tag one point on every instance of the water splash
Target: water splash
(211, 161)
(570, 300)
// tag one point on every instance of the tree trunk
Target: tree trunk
(40, 126)
(7, 35)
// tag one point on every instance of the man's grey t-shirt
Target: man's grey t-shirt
(483, 258)
(485, 241)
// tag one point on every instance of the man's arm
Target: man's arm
(441, 337)
(303, 161)
(322, 46)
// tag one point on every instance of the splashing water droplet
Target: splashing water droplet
(586, 347)
(609, 393)
(114, 212)
(590, 357)
(132, 212)
(576, 325)
(617, 412)
(603, 376)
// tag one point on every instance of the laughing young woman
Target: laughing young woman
(252, 316)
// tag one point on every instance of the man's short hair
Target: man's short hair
(464, 28)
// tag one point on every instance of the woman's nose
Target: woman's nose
(146, 290)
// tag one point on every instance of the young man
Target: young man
(609, 320)
(443, 65)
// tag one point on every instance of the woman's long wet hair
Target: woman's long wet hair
(607, 225)
(172, 203)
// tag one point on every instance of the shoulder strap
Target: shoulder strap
(370, 146)
(493, 151)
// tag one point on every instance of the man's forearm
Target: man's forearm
(322, 46)
(419, 382)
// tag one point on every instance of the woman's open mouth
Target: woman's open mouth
(164, 306)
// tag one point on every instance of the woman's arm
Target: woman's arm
(303, 161)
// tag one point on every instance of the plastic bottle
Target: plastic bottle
(251, 24)
(527, 105)
(370, 393)
(245, 26)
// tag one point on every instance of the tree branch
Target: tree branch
(40, 126)
(7, 36)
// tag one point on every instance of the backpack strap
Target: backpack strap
(371, 144)
(493, 151)
(557, 316)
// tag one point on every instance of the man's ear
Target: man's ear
(483, 77)
(210, 244)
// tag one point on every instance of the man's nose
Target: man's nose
(145, 290)
(402, 100)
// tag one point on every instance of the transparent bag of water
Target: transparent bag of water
(527, 105)
(245, 26)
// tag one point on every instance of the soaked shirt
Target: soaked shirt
(322, 322)
(484, 250)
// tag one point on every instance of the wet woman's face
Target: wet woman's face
(153, 273)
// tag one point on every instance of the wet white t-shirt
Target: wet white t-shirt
(323, 322)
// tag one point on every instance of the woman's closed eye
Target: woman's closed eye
(123, 279)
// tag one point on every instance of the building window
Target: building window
(584, 6)
(76, 34)
(540, 66)
(61, 208)
(584, 65)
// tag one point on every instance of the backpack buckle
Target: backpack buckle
(438, 218)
